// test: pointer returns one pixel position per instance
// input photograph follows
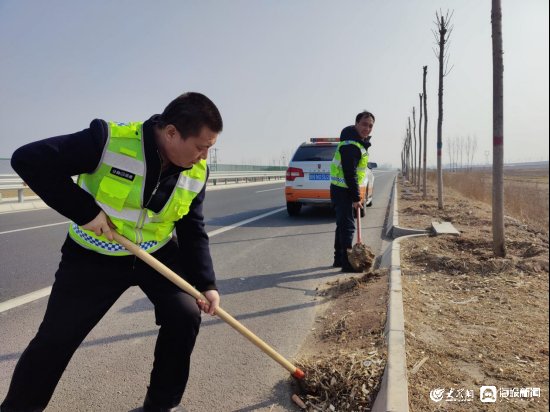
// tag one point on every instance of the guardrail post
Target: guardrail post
(20, 195)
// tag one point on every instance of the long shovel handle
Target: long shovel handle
(358, 214)
(186, 287)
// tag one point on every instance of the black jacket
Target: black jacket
(350, 156)
(47, 166)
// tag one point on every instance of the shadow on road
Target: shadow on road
(251, 283)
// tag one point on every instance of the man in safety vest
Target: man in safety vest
(143, 180)
(347, 176)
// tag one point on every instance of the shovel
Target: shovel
(360, 256)
(186, 287)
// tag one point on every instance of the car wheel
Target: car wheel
(293, 208)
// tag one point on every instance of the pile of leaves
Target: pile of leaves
(344, 381)
(351, 285)
(346, 358)
(361, 257)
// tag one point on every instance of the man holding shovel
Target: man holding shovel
(347, 172)
(143, 180)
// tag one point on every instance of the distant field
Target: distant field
(525, 191)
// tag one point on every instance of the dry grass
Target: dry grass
(525, 191)
(471, 318)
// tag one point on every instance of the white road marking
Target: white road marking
(21, 300)
(269, 190)
(243, 222)
(35, 227)
(29, 297)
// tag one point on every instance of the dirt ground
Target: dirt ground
(471, 319)
(344, 354)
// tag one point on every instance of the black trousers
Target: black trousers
(345, 222)
(85, 288)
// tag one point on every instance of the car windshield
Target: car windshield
(314, 153)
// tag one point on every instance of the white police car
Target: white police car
(308, 176)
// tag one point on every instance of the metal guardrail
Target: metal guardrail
(246, 177)
(14, 182)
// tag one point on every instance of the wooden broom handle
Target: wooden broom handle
(358, 224)
(186, 287)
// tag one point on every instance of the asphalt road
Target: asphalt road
(267, 270)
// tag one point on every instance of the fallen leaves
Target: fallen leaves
(345, 381)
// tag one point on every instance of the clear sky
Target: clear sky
(280, 71)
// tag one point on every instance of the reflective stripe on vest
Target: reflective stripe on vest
(117, 186)
(337, 172)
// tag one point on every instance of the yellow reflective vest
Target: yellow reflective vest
(337, 172)
(118, 185)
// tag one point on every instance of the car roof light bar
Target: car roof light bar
(324, 139)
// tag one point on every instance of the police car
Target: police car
(308, 176)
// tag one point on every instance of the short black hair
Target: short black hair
(189, 112)
(364, 113)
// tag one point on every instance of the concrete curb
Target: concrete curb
(393, 215)
(393, 394)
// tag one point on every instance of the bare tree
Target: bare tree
(499, 246)
(461, 151)
(425, 72)
(409, 149)
(456, 153)
(451, 152)
(455, 149)
(414, 146)
(467, 149)
(403, 158)
(419, 142)
(444, 30)
(406, 156)
(472, 148)
(405, 142)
